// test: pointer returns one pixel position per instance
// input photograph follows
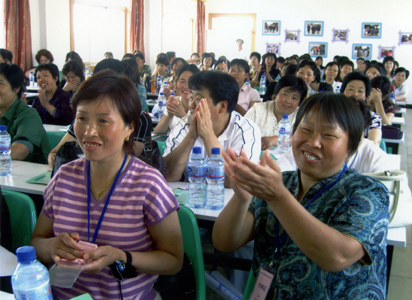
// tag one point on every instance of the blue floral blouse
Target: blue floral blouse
(356, 205)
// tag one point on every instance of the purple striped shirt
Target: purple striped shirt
(141, 198)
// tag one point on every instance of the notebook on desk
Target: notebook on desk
(43, 178)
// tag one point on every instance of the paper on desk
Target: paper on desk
(8, 262)
(43, 178)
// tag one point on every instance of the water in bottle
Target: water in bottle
(263, 84)
(284, 135)
(31, 79)
(162, 104)
(197, 179)
(159, 84)
(30, 279)
(5, 150)
(215, 181)
(247, 83)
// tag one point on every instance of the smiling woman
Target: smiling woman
(111, 199)
(325, 220)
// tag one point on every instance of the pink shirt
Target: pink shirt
(246, 96)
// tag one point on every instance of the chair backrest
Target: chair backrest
(162, 146)
(193, 248)
(55, 137)
(23, 217)
(382, 145)
(250, 284)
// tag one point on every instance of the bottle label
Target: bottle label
(216, 172)
(5, 148)
(282, 130)
(196, 171)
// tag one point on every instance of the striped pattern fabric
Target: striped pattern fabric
(141, 198)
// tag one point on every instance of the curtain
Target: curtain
(18, 32)
(201, 31)
(137, 26)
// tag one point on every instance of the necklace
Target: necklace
(98, 195)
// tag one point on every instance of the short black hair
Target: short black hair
(221, 87)
(383, 84)
(309, 63)
(281, 59)
(357, 76)
(187, 67)
(109, 63)
(378, 66)
(296, 83)
(360, 58)
(72, 55)
(335, 109)
(401, 69)
(305, 56)
(291, 70)
(365, 110)
(15, 76)
(257, 55)
(206, 55)
(128, 56)
(73, 66)
(325, 87)
(176, 60)
(108, 53)
(52, 68)
(346, 62)
(3, 53)
(264, 59)
(241, 62)
(222, 59)
(162, 59)
(171, 54)
(138, 54)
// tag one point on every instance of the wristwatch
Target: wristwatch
(122, 270)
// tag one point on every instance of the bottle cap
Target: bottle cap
(25, 254)
(3, 128)
(162, 94)
(161, 103)
(172, 94)
(285, 116)
(215, 151)
(197, 150)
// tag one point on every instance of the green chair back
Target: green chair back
(382, 145)
(250, 284)
(162, 146)
(23, 217)
(54, 138)
(193, 248)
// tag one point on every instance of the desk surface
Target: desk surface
(8, 262)
(398, 120)
(51, 127)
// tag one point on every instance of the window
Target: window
(99, 26)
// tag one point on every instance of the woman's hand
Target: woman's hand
(101, 257)
(268, 77)
(65, 246)
(167, 91)
(375, 97)
(71, 86)
(262, 180)
(175, 107)
(269, 141)
(43, 97)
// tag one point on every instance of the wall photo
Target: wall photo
(385, 51)
(405, 38)
(340, 35)
(362, 51)
(372, 30)
(270, 27)
(313, 28)
(292, 35)
(273, 48)
(318, 49)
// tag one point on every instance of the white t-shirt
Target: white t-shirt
(264, 117)
(240, 134)
(368, 159)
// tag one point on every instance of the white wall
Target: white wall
(51, 25)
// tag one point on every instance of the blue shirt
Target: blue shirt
(356, 205)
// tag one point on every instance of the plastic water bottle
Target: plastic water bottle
(31, 79)
(247, 83)
(263, 84)
(284, 135)
(5, 150)
(30, 279)
(159, 84)
(197, 179)
(162, 104)
(215, 181)
(337, 88)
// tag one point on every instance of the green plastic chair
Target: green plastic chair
(193, 248)
(162, 146)
(382, 145)
(250, 284)
(23, 217)
(55, 137)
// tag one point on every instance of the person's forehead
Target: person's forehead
(356, 83)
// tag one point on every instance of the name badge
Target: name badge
(262, 285)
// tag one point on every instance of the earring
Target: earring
(126, 139)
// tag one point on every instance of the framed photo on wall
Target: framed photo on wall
(313, 28)
(271, 27)
(362, 50)
(405, 38)
(340, 35)
(318, 49)
(292, 35)
(385, 51)
(273, 48)
(372, 30)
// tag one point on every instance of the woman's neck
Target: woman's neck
(50, 93)
(278, 116)
(329, 80)
(102, 171)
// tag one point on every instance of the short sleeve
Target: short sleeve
(48, 195)
(251, 113)
(176, 136)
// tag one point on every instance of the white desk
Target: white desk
(398, 121)
(51, 127)
(8, 262)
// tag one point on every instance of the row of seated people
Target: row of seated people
(327, 131)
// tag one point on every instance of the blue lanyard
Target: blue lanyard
(105, 205)
(279, 244)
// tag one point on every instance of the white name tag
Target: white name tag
(262, 285)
